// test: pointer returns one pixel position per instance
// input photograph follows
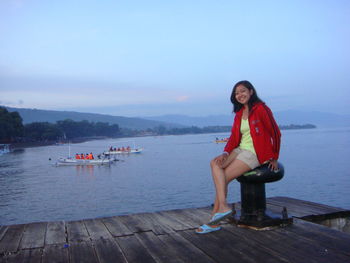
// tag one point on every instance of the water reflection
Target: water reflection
(85, 170)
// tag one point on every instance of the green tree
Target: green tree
(11, 127)
(42, 131)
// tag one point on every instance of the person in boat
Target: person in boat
(111, 149)
(255, 140)
(77, 156)
(128, 148)
(91, 156)
(82, 156)
(123, 149)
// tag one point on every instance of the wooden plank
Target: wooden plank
(246, 250)
(312, 248)
(224, 247)
(11, 239)
(165, 221)
(318, 206)
(294, 210)
(197, 216)
(259, 251)
(276, 245)
(82, 252)
(3, 230)
(108, 251)
(211, 245)
(156, 225)
(33, 235)
(277, 209)
(185, 250)
(133, 250)
(299, 207)
(97, 229)
(205, 210)
(116, 227)
(285, 242)
(306, 225)
(183, 217)
(171, 221)
(27, 256)
(158, 250)
(55, 233)
(311, 233)
(56, 253)
(134, 223)
(76, 231)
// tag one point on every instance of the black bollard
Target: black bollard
(253, 199)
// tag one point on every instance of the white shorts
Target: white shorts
(247, 157)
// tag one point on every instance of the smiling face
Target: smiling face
(243, 94)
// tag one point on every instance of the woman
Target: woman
(255, 140)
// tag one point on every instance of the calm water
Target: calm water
(172, 172)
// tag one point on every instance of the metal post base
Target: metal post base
(261, 219)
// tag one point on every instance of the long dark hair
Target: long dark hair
(253, 99)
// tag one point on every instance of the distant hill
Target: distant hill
(212, 120)
(319, 119)
(36, 115)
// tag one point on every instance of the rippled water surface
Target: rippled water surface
(172, 172)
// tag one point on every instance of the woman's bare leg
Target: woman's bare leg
(222, 177)
(217, 168)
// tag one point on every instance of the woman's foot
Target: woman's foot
(204, 229)
(219, 216)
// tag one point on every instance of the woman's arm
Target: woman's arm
(273, 129)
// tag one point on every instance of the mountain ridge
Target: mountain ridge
(320, 119)
(38, 115)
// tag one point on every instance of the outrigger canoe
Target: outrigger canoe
(71, 161)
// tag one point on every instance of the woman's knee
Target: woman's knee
(213, 164)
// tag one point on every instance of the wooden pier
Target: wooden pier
(169, 236)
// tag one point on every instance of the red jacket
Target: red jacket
(264, 130)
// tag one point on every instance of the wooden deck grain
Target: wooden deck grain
(169, 236)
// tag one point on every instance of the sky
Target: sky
(148, 58)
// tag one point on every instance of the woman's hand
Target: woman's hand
(273, 165)
(221, 159)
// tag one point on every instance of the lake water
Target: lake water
(172, 172)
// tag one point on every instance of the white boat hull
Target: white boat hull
(70, 161)
(139, 150)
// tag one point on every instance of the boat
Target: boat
(127, 151)
(4, 148)
(101, 160)
(73, 161)
(123, 150)
(221, 140)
